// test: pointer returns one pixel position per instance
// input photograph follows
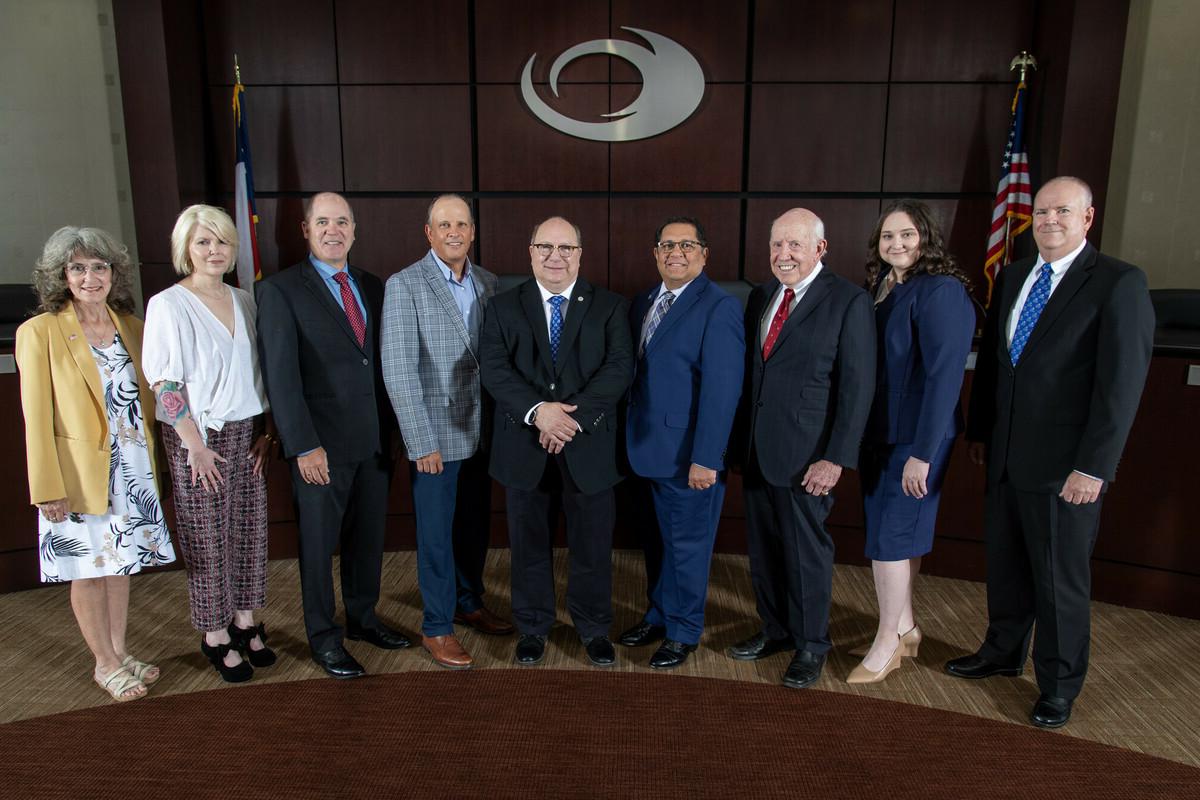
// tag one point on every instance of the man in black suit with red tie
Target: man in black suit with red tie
(1064, 356)
(557, 356)
(318, 340)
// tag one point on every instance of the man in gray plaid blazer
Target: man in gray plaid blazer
(432, 312)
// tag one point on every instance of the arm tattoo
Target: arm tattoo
(173, 401)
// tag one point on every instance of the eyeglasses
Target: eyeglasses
(79, 270)
(685, 247)
(565, 250)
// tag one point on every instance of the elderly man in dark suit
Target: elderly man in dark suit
(318, 338)
(810, 379)
(432, 314)
(557, 357)
(1064, 356)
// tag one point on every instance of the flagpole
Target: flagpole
(1021, 61)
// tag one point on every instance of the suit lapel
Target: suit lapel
(531, 303)
(577, 306)
(679, 309)
(812, 298)
(1074, 279)
(316, 284)
(437, 285)
(81, 352)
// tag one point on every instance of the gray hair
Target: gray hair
(448, 196)
(308, 204)
(49, 275)
(1079, 182)
(211, 217)
(578, 233)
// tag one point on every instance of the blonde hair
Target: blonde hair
(211, 217)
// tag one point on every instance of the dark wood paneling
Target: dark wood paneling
(519, 152)
(389, 233)
(156, 277)
(965, 222)
(21, 528)
(714, 31)
(946, 137)
(505, 227)
(295, 139)
(393, 143)
(685, 158)
(385, 41)
(848, 223)
(949, 40)
(280, 241)
(633, 221)
(507, 34)
(276, 41)
(817, 138)
(816, 41)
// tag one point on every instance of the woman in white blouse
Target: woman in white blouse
(201, 358)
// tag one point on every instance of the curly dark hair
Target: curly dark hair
(933, 259)
(49, 275)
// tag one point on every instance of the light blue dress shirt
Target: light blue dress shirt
(465, 297)
(327, 272)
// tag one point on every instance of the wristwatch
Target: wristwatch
(533, 416)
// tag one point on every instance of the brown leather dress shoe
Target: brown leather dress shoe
(447, 652)
(485, 621)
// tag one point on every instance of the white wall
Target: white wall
(1154, 187)
(62, 134)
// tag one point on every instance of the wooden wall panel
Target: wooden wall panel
(517, 152)
(817, 138)
(948, 40)
(631, 238)
(703, 154)
(280, 241)
(295, 139)
(391, 41)
(819, 41)
(946, 137)
(965, 224)
(389, 233)
(714, 31)
(848, 223)
(392, 142)
(507, 34)
(276, 41)
(505, 227)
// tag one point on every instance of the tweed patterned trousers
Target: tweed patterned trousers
(223, 534)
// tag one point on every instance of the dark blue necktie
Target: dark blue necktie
(556, 322)
(1038, 295)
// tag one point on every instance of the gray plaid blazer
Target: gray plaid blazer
(429, 368)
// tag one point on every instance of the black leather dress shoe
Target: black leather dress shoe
(804, 669)
(381, 636)
(337, 663)
(642, 634)
(600, 651)
(670, 654)
(976, 666)
(530, 650)
(759, 646)
(1050, 711)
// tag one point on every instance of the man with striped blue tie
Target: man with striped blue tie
(1064, 356)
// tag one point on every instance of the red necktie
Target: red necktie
(777, 323)
(353, 312)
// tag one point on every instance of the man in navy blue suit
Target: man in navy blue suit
(690, 356)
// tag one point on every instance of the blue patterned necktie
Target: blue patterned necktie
(556, 322)
(1038, 294)
(656, 317)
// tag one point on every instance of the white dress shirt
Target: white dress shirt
(764, 325)
(549, 309)
(1058, 268)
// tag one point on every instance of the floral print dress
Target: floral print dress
(133, 534)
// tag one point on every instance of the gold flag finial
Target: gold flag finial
(1023, 61)
(237, 71)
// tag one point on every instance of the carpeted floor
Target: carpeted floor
(555, 733)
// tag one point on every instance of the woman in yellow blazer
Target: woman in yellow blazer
(90, 448)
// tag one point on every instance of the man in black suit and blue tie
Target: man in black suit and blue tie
(1065, 352)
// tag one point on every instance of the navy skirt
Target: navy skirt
(899, 527)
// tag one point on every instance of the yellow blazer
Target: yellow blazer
(66, 427)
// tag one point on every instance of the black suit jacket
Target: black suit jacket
(593, 370)
(810, 400)
(325, 390)
(1070, 401)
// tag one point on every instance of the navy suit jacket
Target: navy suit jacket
(1069, 402)
(686, 387)
(922, 351)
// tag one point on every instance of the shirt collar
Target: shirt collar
(1059, 266)
(547, 294)
(662, 287)
(327, 271)
(448, 273)
(803, 285)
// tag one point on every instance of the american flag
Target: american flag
(1013, 210)
(249, 268)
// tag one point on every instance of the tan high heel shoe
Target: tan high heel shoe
(911, 642)
(861, 674)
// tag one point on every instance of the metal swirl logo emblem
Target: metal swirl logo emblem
(672, 88)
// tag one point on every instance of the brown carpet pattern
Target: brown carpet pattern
(489, 733)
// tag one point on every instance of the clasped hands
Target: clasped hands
(556, 427)
(1078, 489)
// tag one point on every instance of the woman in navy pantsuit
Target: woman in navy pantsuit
(924, 320)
